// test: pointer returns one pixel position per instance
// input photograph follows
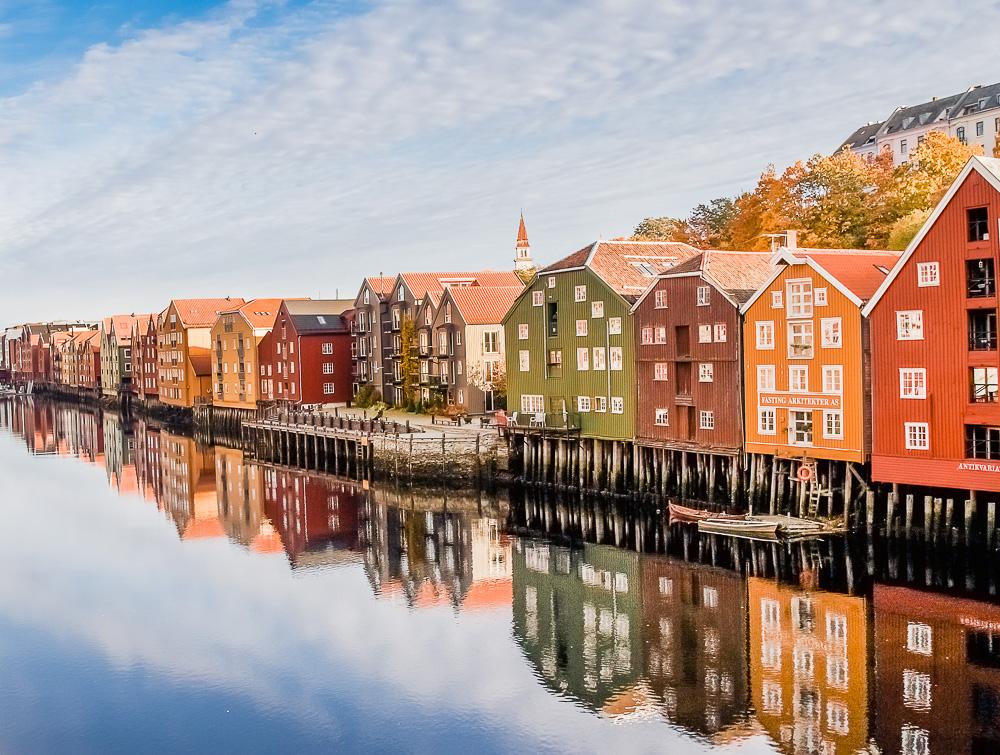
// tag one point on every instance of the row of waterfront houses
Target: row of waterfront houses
(883, 362)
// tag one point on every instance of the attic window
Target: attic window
(882, 269)
(321, 319)
(907, 122)
(645, 268)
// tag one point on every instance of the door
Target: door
(488, 401)
(682, 334)
(683, 378)
(800, 428)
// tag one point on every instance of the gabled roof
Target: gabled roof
(626, 266)
(318, 315)
(856, 273)
(862, 136)
(201, 313)
(988, 168)
(483, 305)
(381, 284)
(259, 313)
(121, 326)
(420, 284)
(737, 275)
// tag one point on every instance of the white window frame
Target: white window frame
(580, 293)
(614, 326)
(705, 333)
(829, 414)
(798, 369)
(660, 298)
(600, 404)
(917, 436)
(616, 359)
(912, 382)
(706, 372)
(661, 417)
(617, 405)
(581, 328)
(706, 420)
(762, 328)
(583, 359)
(830, 326)
(522, 331)
(552, 281)
(910, 325)
(583, 404)
(819, 297)
(532, 403)
(767, 421)
(524, 360)
(800, 298)
(830, 370)
(777, 300)
(537, 298)
(805, 328)
(599, 359)
(597, 309)
(767, 377)
(661, 372)
(720, 332)
(704, 294)
(928, 274)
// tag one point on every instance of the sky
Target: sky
(180, 148)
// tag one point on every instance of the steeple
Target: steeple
(522, 250)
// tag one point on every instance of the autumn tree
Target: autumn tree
(409, 366)
(933, 166)
(708, 224)
(661, 229)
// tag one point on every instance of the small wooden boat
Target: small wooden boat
(744, 527)
(680, 513)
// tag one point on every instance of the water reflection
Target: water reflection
(837, 647)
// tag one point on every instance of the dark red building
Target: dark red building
(144, 352)
(308, 353)
(935, 362)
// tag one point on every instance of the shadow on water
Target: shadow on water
(837, 645)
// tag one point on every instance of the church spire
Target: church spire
(523, 264)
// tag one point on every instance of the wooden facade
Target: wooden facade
(235, 338)
(371, 334)
(689, 370)
(934, 346)
(806, 362)
(144, 361)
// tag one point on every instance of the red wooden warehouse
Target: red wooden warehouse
(306, 359)
(689, 373)
(934, 345)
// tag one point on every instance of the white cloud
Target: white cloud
(299, 150)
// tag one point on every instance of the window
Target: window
(765, 377)
(800, 298)
(616, 358)
(978, 222)
(553, 318)
(524, 360)
(903, 147)
(979, 128)
(776, 300)
(617, 405)
(581, 327)
(720, 332)
(960, 134)
(583, 359)
(704, 296)
(660, 335)
(980, 278)
(982, 442)
(984, 385)
(552, 281)
(596, 309)
(327, 389)
(660, 371)
(580, 293)
(819, 297)
(833, 425)
(600, 358)
(800, 428)
(910, 325)
(919, 638)
(800, 340)
(537, 298)
(522, 331)
(583, 403)
(913, 382)
(833, 378)
(705, 372)
(614, 326)
(798, 378)
(704, 334)
(917, 436)
(765, 334)
(928, 274)
(600, 403)
(660, 298)
(532, 404)
(646, 335)
(327, 368)
(832, 332)
(662, 417)
(706, 420)
(491, 342)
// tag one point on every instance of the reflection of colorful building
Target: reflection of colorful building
(578, 618)
(119, 447)
(239, 487)
(492, 586)
(937, 678)
(809, 668)
(694, 642)
(316, 517)
(188, 486)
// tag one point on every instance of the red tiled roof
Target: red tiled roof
(260, 313)
(522, 235)
(739, 274)
(484, 305)
(422, 283)
(627, 266)
(201, 313)
(381, 284)
(860, 271)
(123, 326)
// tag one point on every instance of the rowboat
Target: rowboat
(744, 527)
(680, 513)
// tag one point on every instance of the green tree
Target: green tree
(661, 229)
(905, 228)
(409, 365)
(708, 224)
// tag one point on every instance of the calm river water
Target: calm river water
(158, 595)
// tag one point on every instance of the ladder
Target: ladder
(814, 493)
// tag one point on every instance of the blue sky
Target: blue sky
(263, 148)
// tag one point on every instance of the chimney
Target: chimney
(791, 239)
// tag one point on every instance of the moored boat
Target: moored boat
(680, 513)
(744, 527)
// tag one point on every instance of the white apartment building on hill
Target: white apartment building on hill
(972, 116)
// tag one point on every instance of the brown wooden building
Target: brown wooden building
(689, 374)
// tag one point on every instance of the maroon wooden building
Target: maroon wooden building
(689, 365)
(306, 359)
(933, 325)
(145, 374)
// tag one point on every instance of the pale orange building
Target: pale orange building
(188, 489)
(235, 337)
(184, 338)
(809, 667)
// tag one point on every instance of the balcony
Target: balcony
(982, 330)
(552, 421)
(980, 278)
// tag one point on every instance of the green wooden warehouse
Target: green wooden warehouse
(571, 361)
